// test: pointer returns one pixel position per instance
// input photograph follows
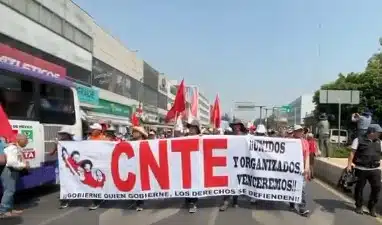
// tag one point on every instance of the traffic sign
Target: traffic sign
(286, 108)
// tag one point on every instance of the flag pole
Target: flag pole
(176, 120)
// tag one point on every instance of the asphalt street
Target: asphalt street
(328, 207)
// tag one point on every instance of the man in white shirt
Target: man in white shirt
(10, 175)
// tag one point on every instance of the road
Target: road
(328, 208)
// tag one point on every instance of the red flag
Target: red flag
(5, 128)
(216, 113)
(179, 103)
(136, 115)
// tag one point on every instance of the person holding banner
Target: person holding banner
(298, 133)
(64, 134)
(138, 134)
(238, 128)
(96, 134)
(193, 130)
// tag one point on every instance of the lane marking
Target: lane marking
(62, 215)
(341, 195)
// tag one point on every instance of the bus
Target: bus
(38, 105)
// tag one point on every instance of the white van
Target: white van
(343, 136)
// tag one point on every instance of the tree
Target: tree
(368, 82)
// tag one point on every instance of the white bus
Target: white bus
(38, 105)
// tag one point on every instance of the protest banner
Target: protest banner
(260, 167)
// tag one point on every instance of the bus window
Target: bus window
(56, 105)
(17, 97)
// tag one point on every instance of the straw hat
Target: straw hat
(141, 130)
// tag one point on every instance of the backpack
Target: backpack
(347, 180)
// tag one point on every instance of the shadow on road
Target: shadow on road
(31, 198)
(330, 205)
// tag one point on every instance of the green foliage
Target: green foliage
(340, 152)
(368, 82)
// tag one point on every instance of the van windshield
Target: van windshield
(335, 133)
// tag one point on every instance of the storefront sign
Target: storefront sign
(87, 94)
(25, 62)
(113, 108)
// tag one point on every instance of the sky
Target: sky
(267, 52)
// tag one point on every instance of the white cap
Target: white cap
(96, 126)
(297, 127)
(111, 128)
(66, 130)
(228, 129)
(261, 129)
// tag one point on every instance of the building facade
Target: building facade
(110, 79)
(204, 109)
(193, 93)
(300, 108)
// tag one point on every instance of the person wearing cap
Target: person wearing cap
(96, 135)
(365, 156)
(193, 130)
(238, 128)
(138, 134)
(110, 133)
(298, 133)
(289, 133)
(64, 134)
(96, 132)
(152, 135)
(261, 130)
(323, 131)
(363, 121)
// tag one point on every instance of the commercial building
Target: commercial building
(300, 108)
(110, 79)
(203, 108)
(193, 96)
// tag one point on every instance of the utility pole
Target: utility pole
(266, 116)
(261, 111)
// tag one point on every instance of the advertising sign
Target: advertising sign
(17, 61)
(88, 95)
(24, 61)
(113, 108)
(34, 152)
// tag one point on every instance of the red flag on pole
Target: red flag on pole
(179, 103)
(216, 113)
(136, 115)
(5, 127)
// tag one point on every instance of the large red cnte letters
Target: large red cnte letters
(122, 185)
(211, 161)
(185, 147)
(147, 161)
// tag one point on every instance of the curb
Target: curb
(330, 173)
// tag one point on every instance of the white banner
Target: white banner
(260, 167)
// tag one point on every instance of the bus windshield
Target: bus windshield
(30, 99)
